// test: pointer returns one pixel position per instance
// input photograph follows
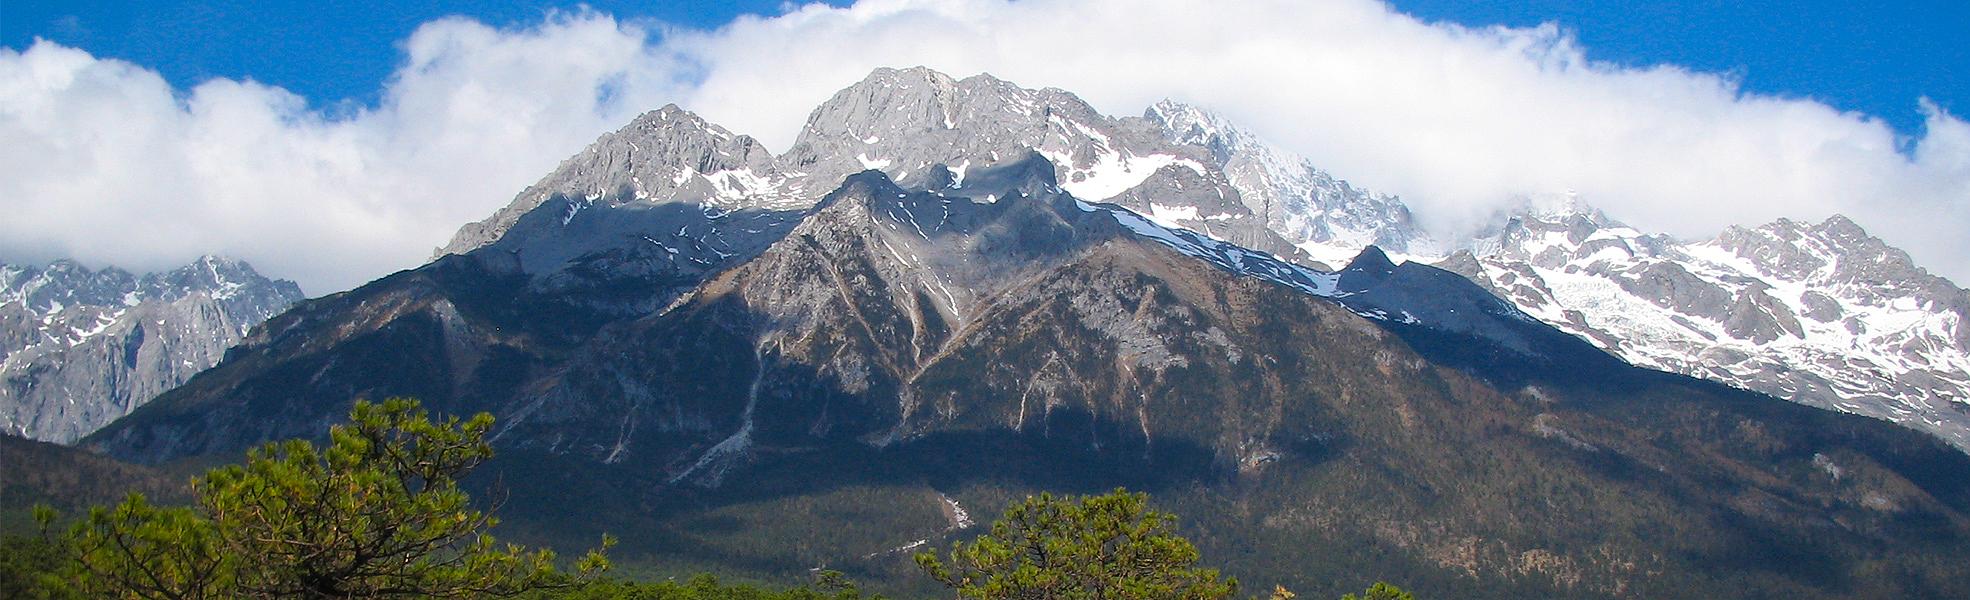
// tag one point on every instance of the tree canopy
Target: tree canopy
(1096, 548)
(378, 513)
(1381, 591)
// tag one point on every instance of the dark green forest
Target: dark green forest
(379, 512)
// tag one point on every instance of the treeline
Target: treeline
(379, 513)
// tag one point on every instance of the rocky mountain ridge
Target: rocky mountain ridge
(81, 347)
(901, 122)
(1320, 214)
(1821, 314)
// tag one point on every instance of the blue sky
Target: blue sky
(325, 50)
(333, 142)
(1876, 58)
(1872, 57)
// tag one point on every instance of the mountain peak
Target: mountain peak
(1029, 172)
(911, 99)
(866, 188)
(649, 160)
(1168, 108)
(1030, 177)
(214, 274)
(906, 121)
(222, 264)
(670, 123)
(1307, 207)
(1564, 208)
(1183, 123)
(1839, 227)
(1372, 261)
(916, 74)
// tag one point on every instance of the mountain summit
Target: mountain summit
(1310, 208)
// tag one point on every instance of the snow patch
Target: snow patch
(869, 163)
(1111, 174)
(1230, 257)
(1171, 216)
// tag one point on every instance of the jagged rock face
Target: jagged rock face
(904, 121)
(663, 155)
(1310, 208)
(603, 204)
(657, 204)
(83, 347)
(1823, 314)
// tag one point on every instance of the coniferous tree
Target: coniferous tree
(378, 513)
(1095, 548)
(1381, 591)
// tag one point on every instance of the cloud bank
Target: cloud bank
(105, 162)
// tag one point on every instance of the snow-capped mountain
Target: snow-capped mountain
(663, 155)
(1183, 167)
(1822, 314)
(899, 121)
(1319, 213)
(81, 347)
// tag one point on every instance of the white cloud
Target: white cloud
(104, 163)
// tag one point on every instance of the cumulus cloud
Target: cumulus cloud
(113, 165)
(106, 163)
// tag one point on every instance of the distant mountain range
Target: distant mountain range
(80, 348)
(950, 293)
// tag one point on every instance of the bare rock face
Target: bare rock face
(83, 347)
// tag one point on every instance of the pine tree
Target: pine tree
(377, 514)
(1381, 591)
(1097, 548)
